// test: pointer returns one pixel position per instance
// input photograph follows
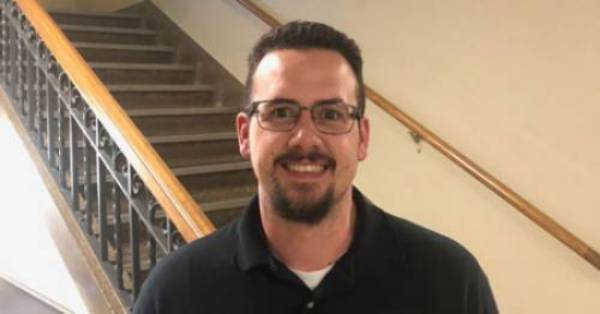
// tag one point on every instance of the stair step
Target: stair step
(160, 88)
(207, 187)
(202, 137)
(108, 29)
(185, 111)
(194, 119)
(225, 204)
(213, 168)
(222, 212)
(140, 66)
(88, 18)
(129, 53)
(151, 95)
(144, 73)
(196, 149)
(106, 34)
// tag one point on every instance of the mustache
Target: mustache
(313, 156)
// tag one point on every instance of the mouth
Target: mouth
(301, 167)
(310, 165)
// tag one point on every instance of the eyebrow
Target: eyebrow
(326, 101)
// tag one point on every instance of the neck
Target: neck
(309, 247)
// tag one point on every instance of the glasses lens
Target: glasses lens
(333, 118)
(278, 116)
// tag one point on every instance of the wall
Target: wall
(31, 255)
(511, 84)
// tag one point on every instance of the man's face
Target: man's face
(302, 173)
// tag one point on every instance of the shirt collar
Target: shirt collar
(253, 249)
(252, 243)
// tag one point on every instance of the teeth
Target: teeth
(306, 168)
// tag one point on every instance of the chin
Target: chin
(302, 204)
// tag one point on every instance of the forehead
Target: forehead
(304, 74)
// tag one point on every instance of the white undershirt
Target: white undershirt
(312, 278)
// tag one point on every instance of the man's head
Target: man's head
(301, 35)
(304, 161)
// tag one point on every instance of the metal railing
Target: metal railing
(120, 215)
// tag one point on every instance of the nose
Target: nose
(305, 133)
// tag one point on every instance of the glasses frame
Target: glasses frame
(252, 108)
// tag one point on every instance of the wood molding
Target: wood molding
(498, 187)
(177, 203)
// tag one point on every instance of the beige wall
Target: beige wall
(512, 84)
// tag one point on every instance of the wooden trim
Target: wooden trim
(177, 203)
(501, 189)
(260, 13)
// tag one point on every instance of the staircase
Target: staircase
(184, 103)
(185, 114)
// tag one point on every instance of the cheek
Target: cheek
(262, 151)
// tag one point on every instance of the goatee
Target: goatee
(304, 210)
(307, 207)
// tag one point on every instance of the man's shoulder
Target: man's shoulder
(437, 268)
(191, 269)
(217, 248)
(422, 245)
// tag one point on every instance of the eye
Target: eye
(280, 112)
(331, 113)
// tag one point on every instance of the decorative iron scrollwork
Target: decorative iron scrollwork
(76, 100)
(91, 167)
(120, 163)
(137, 185)
(89, 118)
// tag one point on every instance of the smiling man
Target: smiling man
(310, 242)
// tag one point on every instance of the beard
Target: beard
(307, 207)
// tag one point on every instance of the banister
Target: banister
(514, 199)
(177, 203)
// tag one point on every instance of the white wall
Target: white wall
(30, 257)
(512, 84)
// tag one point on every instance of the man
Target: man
(310, 242)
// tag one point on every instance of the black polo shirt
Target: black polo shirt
(392, 266)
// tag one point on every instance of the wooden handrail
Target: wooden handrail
(501, 189)
(177, 203)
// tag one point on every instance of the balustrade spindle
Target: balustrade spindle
(91, 170)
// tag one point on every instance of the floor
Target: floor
(29, 255)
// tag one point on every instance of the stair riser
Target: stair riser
(96, 20)
(103, 37)
(188, 154)
(160, 99)
(208, 187)
(234, 190)
(145, 76)
(222, 217)
(121, 55)
(185, 124)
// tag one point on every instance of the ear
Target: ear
(364, 133)
(242, 124)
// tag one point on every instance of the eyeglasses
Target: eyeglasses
(282, 115)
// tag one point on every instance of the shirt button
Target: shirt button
(310, 305)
